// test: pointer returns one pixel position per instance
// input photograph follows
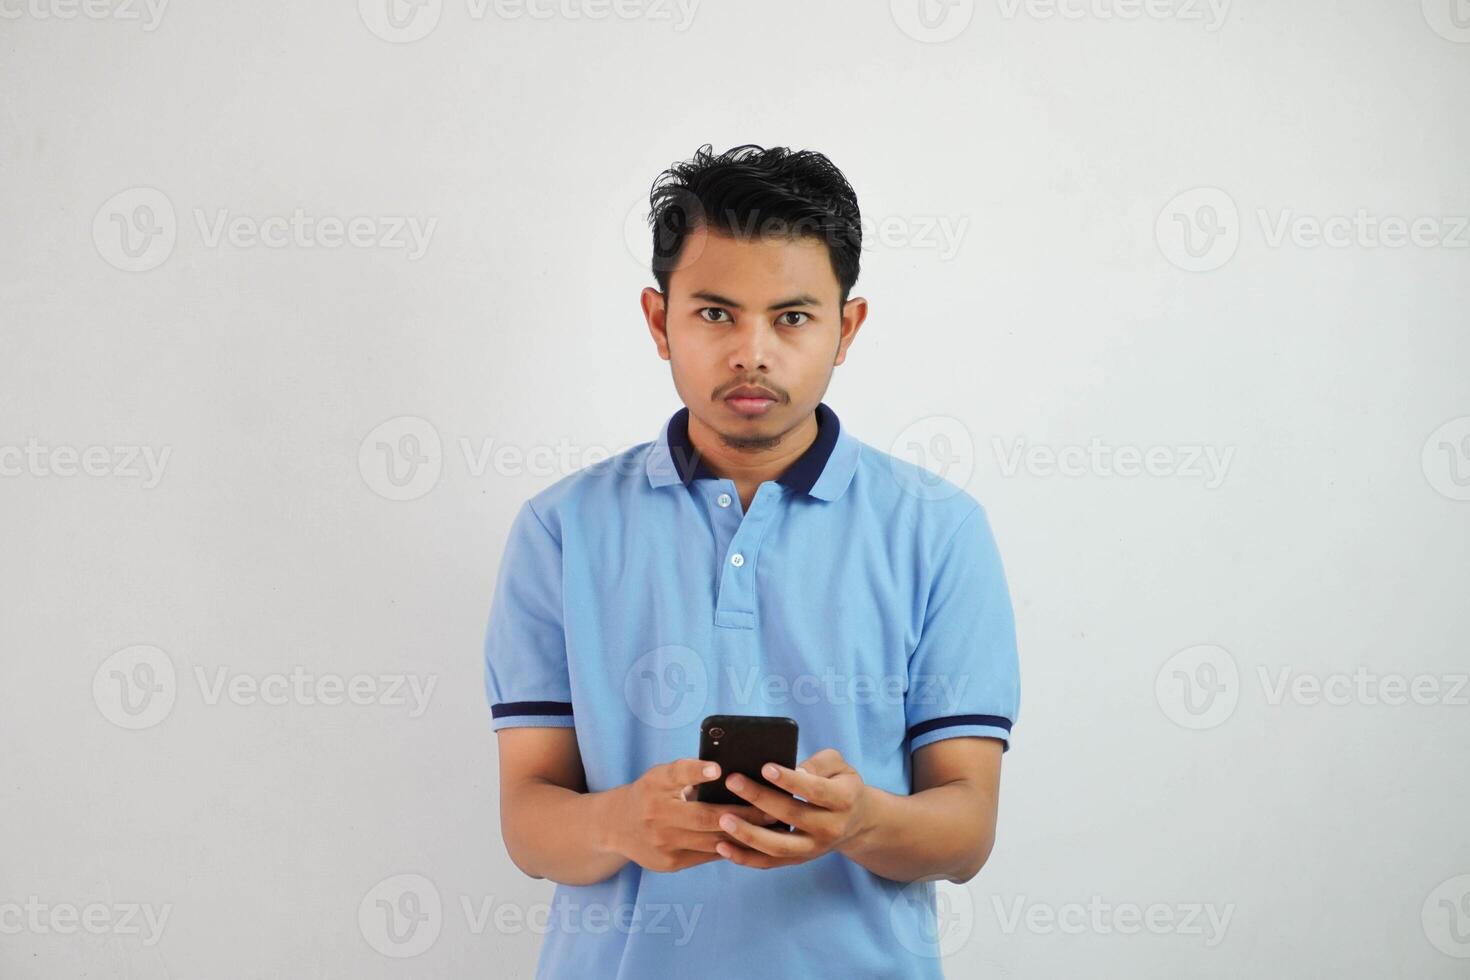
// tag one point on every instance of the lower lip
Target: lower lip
(750, 406)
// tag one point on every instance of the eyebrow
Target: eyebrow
(802, 300)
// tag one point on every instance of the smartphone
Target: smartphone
(744, 743)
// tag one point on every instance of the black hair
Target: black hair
(750, 191)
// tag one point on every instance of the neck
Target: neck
(753, 462)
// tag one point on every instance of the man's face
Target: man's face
(761, 312)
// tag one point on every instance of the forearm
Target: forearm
(561, 834)
(944, 831)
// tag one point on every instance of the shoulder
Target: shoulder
(593, 491)
(911, 498)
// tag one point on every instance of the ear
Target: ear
(854, 312)
(655, 311)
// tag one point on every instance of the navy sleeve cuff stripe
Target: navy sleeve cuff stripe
(991, 721)
(508, 708)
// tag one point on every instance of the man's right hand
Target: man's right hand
(652, 823)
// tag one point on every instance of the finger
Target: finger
(745, 857)
(706, 816)
(687, 794)
(827, 762)
(690, 859)
(753, 814)
(703, 841)
(815, 789)
(773, 842)
(688, 772)
(772, 802)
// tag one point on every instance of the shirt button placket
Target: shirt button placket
(735, 605)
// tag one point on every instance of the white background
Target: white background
(1069, 314)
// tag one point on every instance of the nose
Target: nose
(751, 347)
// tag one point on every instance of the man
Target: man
(755, 558)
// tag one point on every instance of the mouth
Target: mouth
(749, 401)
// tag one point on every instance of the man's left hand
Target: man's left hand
(830, 813)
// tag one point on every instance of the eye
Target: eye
(804, 317)
(712, 309)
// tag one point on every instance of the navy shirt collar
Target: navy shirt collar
(801, 475)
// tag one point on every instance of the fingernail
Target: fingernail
(727, 822)
(723, 850)
(772, 773)
(736, 782)
(711, 770)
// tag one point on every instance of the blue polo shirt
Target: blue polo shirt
(860, 595)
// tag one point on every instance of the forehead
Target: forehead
(756, 267)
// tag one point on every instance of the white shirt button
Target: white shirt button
(723, 500)
(737, 559)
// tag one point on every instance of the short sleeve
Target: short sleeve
(526, 678)
(964, 674)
